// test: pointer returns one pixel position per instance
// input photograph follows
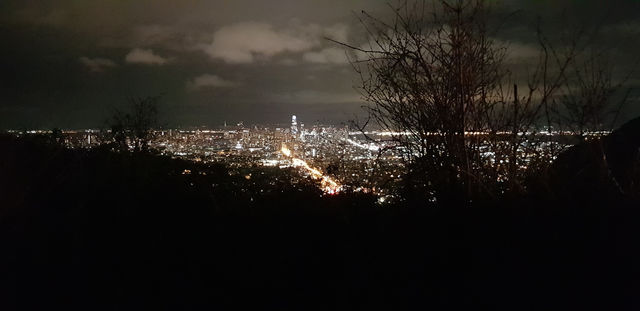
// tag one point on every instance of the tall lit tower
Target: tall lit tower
(294, 125)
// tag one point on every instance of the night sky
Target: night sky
(69, 63)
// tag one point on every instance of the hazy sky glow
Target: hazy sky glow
(67, 63)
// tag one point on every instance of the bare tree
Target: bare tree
(132, 130)
(431, 76)
(435, 77)
(591, 99)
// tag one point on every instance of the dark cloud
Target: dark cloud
(209, 81)
(97, 64)
(248, 41)
(67, 63)
(330, 55)
(145, 57)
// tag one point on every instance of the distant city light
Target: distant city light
(363, 166)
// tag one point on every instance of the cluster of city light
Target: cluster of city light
(329, 186)
(482, 133)
(370, 147)
(240, 147)
(285, 150)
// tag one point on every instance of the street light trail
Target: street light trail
(329, 186)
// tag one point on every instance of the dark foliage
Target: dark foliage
(132, 130)
(97, 230)
(601, 169)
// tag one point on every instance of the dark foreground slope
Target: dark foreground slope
(607, 168)
(103, 231)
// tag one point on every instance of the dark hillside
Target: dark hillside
(606, 169)
(96, 230)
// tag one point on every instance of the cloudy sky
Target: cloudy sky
(69, 63)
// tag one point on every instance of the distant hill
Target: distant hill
(609, 167)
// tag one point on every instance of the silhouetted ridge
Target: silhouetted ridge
(602, 168)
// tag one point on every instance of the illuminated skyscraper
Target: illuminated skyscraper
(294, 126)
